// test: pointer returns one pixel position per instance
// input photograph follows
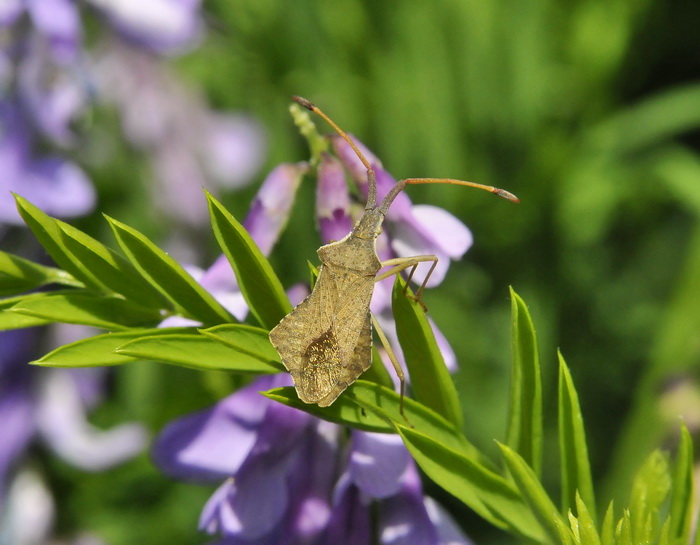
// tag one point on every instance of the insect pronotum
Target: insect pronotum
(326, 341)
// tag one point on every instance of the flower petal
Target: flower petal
(403, 519)
(213, 443)
(377, 463)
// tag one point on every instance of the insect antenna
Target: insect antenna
(401, 184)
(371, 176)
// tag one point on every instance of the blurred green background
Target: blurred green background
(588, 110)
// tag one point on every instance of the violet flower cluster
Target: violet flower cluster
(288, 477)
(49, 81)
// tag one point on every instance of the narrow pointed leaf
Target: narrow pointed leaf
(253, 341)
(18, 275)
(100, 350)
(487, 493)
(431, 383)
(607, 533)
(525, 407)
(259, 284)
(649, 490)
(47, 232)
(531, 489)
(195, 352)
(575, 468)
(113, 271)
(105, 312)
(587, 525)
(681, 515)
(168, 276)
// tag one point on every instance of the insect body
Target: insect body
(326, 341)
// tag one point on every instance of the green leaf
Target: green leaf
(114, 272)
(14, 320)
(195, 352)
(623, 531)
(18, 275)
(101, 349)
(47, 232)
(105, 312)
(253, 341)
(431, 383)
(586, 523)
(487, 493)
(607, 533)
(259, 284)
(342, 411)
(525, 407)
(649, 490)
(681, 515)
(168, 276)
(536, 497)
(575, 469)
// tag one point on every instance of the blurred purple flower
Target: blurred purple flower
(165, 26)
(332, 200)
(57, 186)
(289, 480)
(53, 405)
(188, 145)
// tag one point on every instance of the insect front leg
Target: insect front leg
(399, 264)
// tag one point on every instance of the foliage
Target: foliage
(509, 493)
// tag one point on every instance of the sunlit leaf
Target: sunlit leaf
(168, 276)
(101, 349)
(525, 410)
(195, 352)
(431, 383)
(575, 469)
(18, 275)
(259, 284)
(531, 489)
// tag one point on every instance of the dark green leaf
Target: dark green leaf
(487, 493)
(101, 349)
(531, 489)
(113, 271)
(259, 285)
(575, 468)
(105, 312)
(431, 382)
(525, 407)
(18, 275)
(168, 276)
(681, 515)
(196, 352)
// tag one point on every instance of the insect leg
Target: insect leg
(395, 363)
(399, 264)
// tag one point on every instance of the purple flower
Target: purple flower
(332, 200)
(57, 186)
(53, 404)
(161, 25)
(414, 230)
(288, 479)
(188, 145)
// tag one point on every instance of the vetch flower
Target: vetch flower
(413, 230)
(291, 478)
